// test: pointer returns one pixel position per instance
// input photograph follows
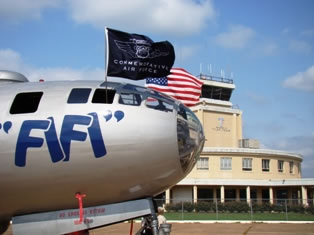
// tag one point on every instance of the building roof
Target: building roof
(251, 151)
(248, 182)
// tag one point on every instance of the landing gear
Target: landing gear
(150, 226)
(4, 226)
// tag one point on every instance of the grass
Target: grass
(239, 216)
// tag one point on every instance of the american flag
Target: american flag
(179, 84)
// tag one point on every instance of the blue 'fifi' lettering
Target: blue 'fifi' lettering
(68, 134)
(53, 142)
(96, 137)
(59, 150)
(24, 141)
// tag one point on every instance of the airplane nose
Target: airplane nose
(190, 136)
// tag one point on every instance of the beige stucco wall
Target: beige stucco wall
(223, 128)
(214, 171)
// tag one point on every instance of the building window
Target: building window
(291, 164)
(247, 164)
(26, 102)
(265, 164)
(280, 165)
(225, 163)
(299, 168)
(202, 163)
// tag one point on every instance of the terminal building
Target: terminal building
(232, 168)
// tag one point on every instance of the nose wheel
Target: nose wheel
(150, 226)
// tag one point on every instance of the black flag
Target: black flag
(137, 57)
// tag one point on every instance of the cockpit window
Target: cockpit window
(130, 99)
(26, 102)
(103, 96)
(157, 104)
(134, 88)
(79, 95)
(192, 118)
(181, 112)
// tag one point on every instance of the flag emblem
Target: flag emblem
(139, 49)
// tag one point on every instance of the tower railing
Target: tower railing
(215, 78)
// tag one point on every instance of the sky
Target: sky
(266, 47)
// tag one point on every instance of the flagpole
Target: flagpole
(106, 61)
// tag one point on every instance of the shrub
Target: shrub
(237, 206)
(310, 210)
(221, 207)
(279, 208)
(243, 207)
(266, 207)
(231, 206)
(188, 206)
(173, 207)
(202, 206)
(296, 208)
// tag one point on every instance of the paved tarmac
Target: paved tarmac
(213, 228)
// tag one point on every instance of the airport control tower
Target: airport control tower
(233, 168)
(222, 122)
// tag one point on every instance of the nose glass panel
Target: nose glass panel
(190, 136)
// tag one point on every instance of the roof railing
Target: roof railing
(214, 78)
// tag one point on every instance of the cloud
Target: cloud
(237, 37)
(300, 46)
(64, 74)
(307, 33)
(297, 144)
(257, 98)
(265, 48)
(285, 31)
(301, 81)
(269, 49)
(301, 145)
(295, 117)
(13, 61)
(176, 17)
(10, 60)
(17, 10)
(186, 52)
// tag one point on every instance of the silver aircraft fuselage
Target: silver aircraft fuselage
(113, 142)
